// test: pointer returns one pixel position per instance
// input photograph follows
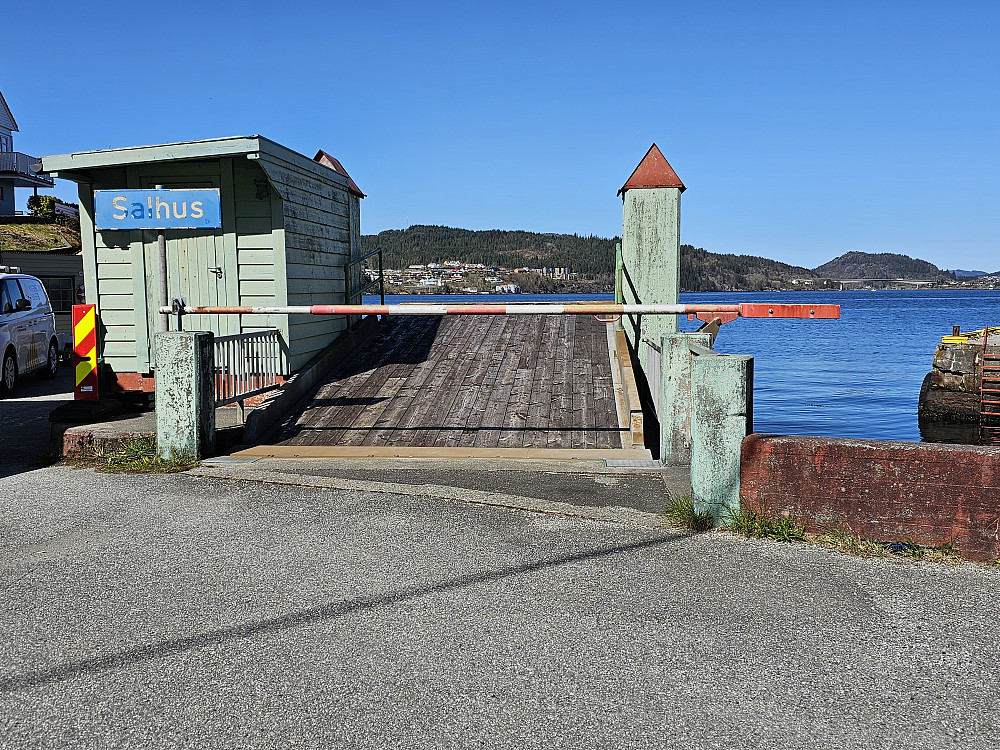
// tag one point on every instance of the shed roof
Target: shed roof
(322, 157)
(654, 171)
(75, 166)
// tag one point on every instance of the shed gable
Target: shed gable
(6, 118)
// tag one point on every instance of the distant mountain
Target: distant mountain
(702, 271)
(858, 265)
(594, 258)
(969, 274)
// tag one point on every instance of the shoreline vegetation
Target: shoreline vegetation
(445, 260)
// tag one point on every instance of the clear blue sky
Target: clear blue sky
(801, 129)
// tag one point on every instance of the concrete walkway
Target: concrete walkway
(256, 606)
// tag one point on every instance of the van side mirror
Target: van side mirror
(22, 304)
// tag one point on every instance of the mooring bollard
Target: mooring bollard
(676, 398)
(722, 416)
(185, 395)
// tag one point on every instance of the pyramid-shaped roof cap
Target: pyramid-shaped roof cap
(654, 171)
(322, 157)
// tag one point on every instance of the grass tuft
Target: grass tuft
(682, 514)
(753, 523)
(133, 455)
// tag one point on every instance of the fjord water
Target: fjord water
(855, 377)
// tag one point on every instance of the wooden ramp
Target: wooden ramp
(501, 382)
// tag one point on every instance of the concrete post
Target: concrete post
(185, 395)
(651, 254)
(676, 396)
(722, 417)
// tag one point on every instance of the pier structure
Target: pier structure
(577, 380)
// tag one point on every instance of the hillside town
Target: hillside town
(457, 277)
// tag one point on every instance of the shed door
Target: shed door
(192, 256)
(197, 270)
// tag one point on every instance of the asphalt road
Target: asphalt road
(24, 420)
(186, 611)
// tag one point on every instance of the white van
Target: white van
(28, 341)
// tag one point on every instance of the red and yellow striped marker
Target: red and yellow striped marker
(85, 352)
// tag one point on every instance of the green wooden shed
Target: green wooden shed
(290, 228)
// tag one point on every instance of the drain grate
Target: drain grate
(630, 462)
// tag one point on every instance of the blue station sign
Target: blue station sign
(158, 209)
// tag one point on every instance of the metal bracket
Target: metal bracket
(177, 306)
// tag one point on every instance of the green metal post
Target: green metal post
(619, 266)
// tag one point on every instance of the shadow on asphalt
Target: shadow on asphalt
(24, 421)
(139, 654)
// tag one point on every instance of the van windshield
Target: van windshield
(8, 294)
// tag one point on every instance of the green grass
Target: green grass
(682, 514)
(133, 455)
(757, 524)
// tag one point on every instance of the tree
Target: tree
(42, 205)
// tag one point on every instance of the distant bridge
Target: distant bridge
(911, 282)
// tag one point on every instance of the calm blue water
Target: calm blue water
(856, 377)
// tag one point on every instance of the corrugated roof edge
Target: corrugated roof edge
(252, 146)
(116, 157)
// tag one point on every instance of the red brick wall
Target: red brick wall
(885, 490)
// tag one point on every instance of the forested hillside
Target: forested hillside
(857, 265)
(701, 271)
(493, 247)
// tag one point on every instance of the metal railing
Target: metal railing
(18, 163)
(246, 364)
(352, 294)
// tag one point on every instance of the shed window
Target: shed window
(62, 293)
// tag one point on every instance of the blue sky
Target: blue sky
(802, 129)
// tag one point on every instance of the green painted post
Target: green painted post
(185, 395)
(619, 269)
(651, 216)
(676, 397)
(722, 416)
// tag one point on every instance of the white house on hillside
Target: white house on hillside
(15, 167)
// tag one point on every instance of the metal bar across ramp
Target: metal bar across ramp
(745, 310)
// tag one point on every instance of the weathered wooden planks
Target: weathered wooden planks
(491, 381)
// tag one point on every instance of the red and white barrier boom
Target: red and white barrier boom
(703, 312)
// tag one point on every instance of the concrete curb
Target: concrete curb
(617, 515)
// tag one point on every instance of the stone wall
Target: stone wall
(884, 490)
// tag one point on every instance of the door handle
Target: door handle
(217, 270)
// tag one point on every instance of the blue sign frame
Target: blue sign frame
(196, 208)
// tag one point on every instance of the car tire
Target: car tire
(52, 366)
(8, 374)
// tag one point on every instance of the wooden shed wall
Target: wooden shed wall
(317, 242)
(123, 267)
(290, 226)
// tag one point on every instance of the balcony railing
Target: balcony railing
(17, 163)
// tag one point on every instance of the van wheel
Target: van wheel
(52, 366)
(8, 374)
